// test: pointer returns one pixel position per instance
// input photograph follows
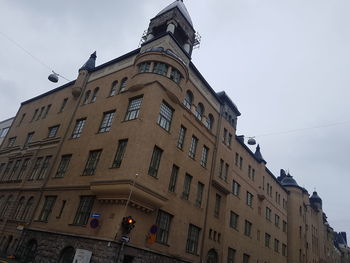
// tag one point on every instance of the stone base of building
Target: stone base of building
(47, 247)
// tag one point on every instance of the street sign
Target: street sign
(95, 215)
(125, 239)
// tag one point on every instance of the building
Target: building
(4, 128)
(141, 137)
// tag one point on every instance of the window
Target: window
(165, 116)
(240, 163)
(133, 109)
(47, 111)
(44, 168)
(92, 162)
(63, 105)
(235, 188)
(163, 224)
(123, 85)
(14, 169)
(114, 87)
(187, 187)
(120, 153)
(94, 95)
(192, 239)
(181, 139)
(36, 167)
(199, 197)
(155, 161)
(247, 228)
(277, 245)
(6, 205)
(28, 139)
(229, 140)
(217, 205)
(226, 171)
(188, 100)
(173, 178)
(224, 139)
(106, 122)
(23, 169)
(236, 159)
(52, 131)
(28, 209)
(11, 141)
(267, 240)
(277, 221)
(284, 250)
(284, 226)
(193, 147)
(221, 168)
(209, 122)
(175, 75)
(268, 213)
(47, 208)
(84, 209)
(249, 199)
(204, 158)
(231, 254)
(63, 166)
(160, 68)
(199, 111)
(233, 220)
(144, 67)
(62, 208)
(246, 258)
(86, 98)
(19, 208)
(78, 128)
(40, 113)
(34, 114)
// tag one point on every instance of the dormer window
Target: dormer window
(86, 98)
(160, 68)
(94, 95)
(188, 100)
(113, 88)
(199, 111)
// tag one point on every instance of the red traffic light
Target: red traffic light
(128, 224)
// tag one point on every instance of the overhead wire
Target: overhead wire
(31, 55)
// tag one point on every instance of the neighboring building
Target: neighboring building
(143, 135)
(4, 128)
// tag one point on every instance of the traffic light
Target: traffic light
(128, 224)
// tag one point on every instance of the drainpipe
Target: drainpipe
(211, 176)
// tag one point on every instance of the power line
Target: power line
(30, 54)
(302, 129)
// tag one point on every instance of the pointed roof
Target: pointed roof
(288, 180)
(90, 63)
(315, 197)
(258, 154)
(181, 6)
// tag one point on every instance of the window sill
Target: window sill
(41, 221)
(77, 225)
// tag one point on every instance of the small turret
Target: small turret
(316, 201)
(90, 63)
(258, 155)
(288, 180)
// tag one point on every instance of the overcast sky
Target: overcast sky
(284, 63)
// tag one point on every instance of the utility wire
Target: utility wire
(302, 129)
(30, 54)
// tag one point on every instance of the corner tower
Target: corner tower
(172, 29)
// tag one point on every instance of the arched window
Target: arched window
(19, 208)
(123, 84)
(188, 100)
(86, 98)
(199, 111)
(210, 121)
(28, 209)
(114, 88)
(6, 206)
(67, 255)
(212, 256)
(94, 94)
(29, 252)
